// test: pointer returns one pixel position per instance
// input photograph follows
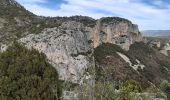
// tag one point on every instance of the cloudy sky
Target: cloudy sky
(148, 14)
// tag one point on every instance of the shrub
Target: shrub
(25, 75)
(165, 87)
(104, 91)
(128, 89)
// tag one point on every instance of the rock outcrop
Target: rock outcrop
(3, 47)
(165, 49)
(69, 47)
(117, 31)
(66, 47)
(68, 42)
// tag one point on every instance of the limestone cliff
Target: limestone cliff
(69, 47)
(66, 47)
(117, 31)
(68, 42)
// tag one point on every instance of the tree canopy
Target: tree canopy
(26, 75)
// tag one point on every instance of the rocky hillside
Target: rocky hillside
(17, 22)
(14, 20)
(141, 63)
(160, 43)
(73, 45)
(69, 45)
(68, 42)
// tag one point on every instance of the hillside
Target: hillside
(94, 58)
(146, 65)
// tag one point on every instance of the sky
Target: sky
(148, 14)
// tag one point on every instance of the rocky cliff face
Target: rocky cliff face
(117, 31)
(68, 42)
(69, 47)
(74, 44)
(66, 47)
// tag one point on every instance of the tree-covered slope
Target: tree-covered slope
(111, 66)
(26, 75)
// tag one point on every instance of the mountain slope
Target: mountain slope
(14, 19)
(111, 45)
(67, 41)
(146, 65)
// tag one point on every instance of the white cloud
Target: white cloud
(147, 17)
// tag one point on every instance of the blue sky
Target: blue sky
(148, 14)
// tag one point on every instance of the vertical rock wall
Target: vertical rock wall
(122, 33)
(69, 47)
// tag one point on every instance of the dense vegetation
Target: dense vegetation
(165, 86)
(114, 20)
(25, 75)
(157, 64)
(85, 20)
(110, 66)
(105, 50)
(106, 91)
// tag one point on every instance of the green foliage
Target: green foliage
(128, 90)
(168, 53)
(131, 86)
(104, 91)
(156, 63)
(165, 87)
(37, 27)
(141, 49)
(69, 86)
(25, 75)
(161, 95)
(105, 50)
(114, 20)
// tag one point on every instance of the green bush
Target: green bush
(25, 75)
(165, 87)
(104, 91)
(128, 89)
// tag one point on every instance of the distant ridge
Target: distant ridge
(156, 33)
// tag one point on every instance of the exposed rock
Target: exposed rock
(70, 41)
(117, 31)
(165, 49)
(3, 47)
(155, 43)
(20, 22)
(66, 47)
(136, 66)
(69, 46)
